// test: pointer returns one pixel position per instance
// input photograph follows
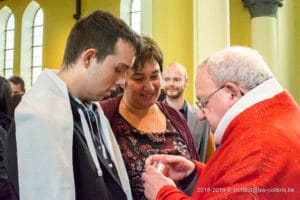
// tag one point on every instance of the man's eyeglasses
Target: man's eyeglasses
(202, 103)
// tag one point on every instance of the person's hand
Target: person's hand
(154, 181)
(178, 166)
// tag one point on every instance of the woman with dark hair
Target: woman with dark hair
(5, 103)
(142, 125)
(5, 120)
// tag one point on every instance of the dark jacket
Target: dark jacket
(5, 121)
(6, 190)
(88, 186)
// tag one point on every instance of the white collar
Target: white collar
(264, 91)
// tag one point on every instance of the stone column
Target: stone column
(264, 29)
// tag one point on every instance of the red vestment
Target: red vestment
(259, 156)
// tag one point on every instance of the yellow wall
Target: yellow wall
(286, 43)
(294, 72)
(173, 30)
(58, 20)
(240, 26)
(112, 6)
(295, 80)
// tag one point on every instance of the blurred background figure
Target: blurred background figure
(16, 98)
(113, 93)
(17, 85)
(175, 81)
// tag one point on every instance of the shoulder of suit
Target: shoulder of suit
(192, 109)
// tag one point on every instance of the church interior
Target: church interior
(33, 33)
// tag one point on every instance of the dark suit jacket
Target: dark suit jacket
(6, 192)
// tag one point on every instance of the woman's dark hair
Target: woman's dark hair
(5, 96)
(150, 51)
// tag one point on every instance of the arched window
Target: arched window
(135, 15)
(9, 46)
(138, 15)
(37, 45)
(31, 43)
(7, 36)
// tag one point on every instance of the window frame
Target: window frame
(35, 46)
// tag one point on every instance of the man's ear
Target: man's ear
(87, 55)
(233, 89)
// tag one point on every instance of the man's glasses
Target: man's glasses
(202, 103)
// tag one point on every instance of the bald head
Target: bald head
(177, 68)
(175, 80)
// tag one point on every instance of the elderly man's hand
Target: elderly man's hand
(178, 167)
(154, 181)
